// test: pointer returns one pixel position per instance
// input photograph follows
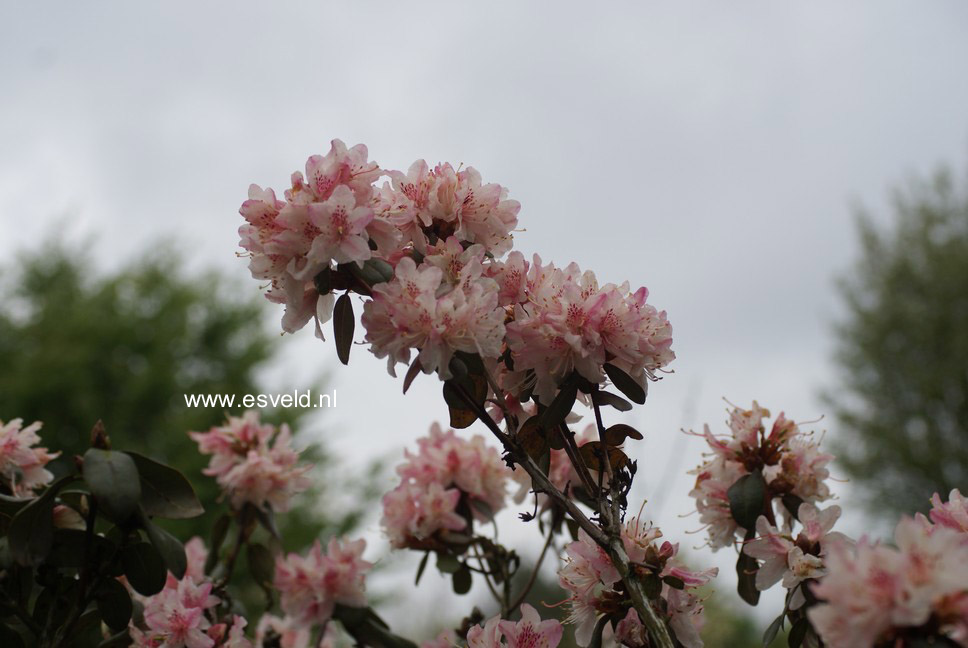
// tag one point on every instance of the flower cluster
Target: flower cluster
(22, 464)
(875, 594)
(253, 462)
(445, 470)
(563, 322)
(179, 614)
(789, 460)
(437, 237)
(441, 306)
(529, 632)
(334, 214)
(310, 587)
(596, 588)
(794, 559)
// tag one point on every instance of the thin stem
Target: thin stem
(540, 481)
(487, 578)
(571, 449)
(534, 573)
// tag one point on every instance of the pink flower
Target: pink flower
(253, 462)
(342, 229)
(789, 459)
(196, 553)
(871, 589)
(311, 586)
(175, 617)
(22, 466)
(413, 514)
(488, 636)
(419, 310)
(433, 480)
(953, 513)
(565, 322)
(289, 634)
(531, 631)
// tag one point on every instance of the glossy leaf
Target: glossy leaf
(532, 438)
(344, 323)
(169, 547)
(746, 499)
(165, 492)
(462, 580)
(412, 373)
(114, 604)
(560, 407)
(773, 630)
(625, 384)
(602, 398)
(31, 531)
(113, 479)
(144, 568)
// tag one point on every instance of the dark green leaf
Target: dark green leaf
(10, 505)
(219, 530)
(344, 323)
(560, 407)
(421, 568)
(625, 384)
(792, 504)
(324, 281)
(746, 568)
(616, 434)
(169, 547)
(144, 568)
(462, 580)
(798, 632)
(31, 531)
(165, 492)
(773, 630)
(596, 640)
(114, 604)
(448, 563)
(261, 563)
(113, 479)
(746, 499)
(374, 271)
(412, 373)
(601, 398)
(674, 583)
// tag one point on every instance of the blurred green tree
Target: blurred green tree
(902, 401)
(77, 345)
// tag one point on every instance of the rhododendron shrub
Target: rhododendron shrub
(543, 359)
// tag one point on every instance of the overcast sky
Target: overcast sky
(712, 152)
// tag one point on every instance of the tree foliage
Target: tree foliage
(78, 345)
(902, 403)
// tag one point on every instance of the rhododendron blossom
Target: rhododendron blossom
(311, 586)
(952, 514)
(529, 632)
(794, 559)
(595, 585)
(434, 479)
(22, 464)
(564, 322)
(420, 309)
(789, 460)
(873, 593)
(176, 616)
(253, 462)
